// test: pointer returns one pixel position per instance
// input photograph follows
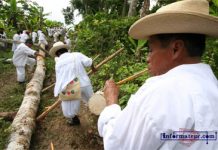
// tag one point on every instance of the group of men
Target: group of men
(180, 97)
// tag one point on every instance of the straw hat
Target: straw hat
(187, 16)
(56, 46)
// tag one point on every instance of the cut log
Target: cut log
(9, 116)
(23, 124)
(97, 67)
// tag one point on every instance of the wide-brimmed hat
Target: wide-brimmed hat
(56, 46)
(187, 16)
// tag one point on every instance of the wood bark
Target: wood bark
(24, 123)
(132, 8)
(145, 8)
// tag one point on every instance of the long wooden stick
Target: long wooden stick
(90, 72)
(130, 78)
(52, 146)
(53, 106)
(50, 108)
(106, 60)
(96, 57)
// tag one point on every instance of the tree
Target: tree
(132, 8)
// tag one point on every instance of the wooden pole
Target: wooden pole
(50, 108)
(23, 124)
(52, 146)
(130, 78)
(53, 106)
(106, 60)
(96, 57)
(90, 72)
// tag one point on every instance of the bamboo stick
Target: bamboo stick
(96, 57)
(130, 78)
(106, 60)
(52, 146)
(50, 108)
(53, 106)
(97, 102)
(90, 72)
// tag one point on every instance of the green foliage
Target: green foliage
(100, 32)
(211, 55)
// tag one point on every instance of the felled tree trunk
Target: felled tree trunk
(24, 123)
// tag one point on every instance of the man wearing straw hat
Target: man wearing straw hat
(69, 67)
(176, 109)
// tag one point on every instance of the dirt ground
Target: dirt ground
(64, 137)
(54, 128)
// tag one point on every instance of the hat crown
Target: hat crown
(197, 6)
(58, 44)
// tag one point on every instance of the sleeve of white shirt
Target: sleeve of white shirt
(29, 51)
(86, 61)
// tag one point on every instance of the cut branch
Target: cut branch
(9, 116)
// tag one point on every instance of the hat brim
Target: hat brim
(174, 22)
(53, 50)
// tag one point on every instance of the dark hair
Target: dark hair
(61, 51)
(194, 43)
(29, 41)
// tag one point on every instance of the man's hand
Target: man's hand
(37, 54)
(93, 68)
(111, 92)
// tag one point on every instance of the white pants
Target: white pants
(71, 108)
(21, 69)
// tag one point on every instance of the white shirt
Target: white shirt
(16, 41)
(42, 39)
(21, 55)
(186, 97)
(23, 37)
(34, 35)
(67, 67)
(67, 41)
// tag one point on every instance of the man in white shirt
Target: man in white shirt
(24, 36)
(16, 40)
(42, 38)
(175, 109)
(34, 36)
(68, 67)
(21, 59)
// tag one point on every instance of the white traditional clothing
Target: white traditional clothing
(56, 36)
(16, 41)
(24, 37)
(34, 36)
(20, 59)
(186, 97)
(69, 66)
(67, 41)
(42, 39)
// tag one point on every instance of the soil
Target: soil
(54, 128)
